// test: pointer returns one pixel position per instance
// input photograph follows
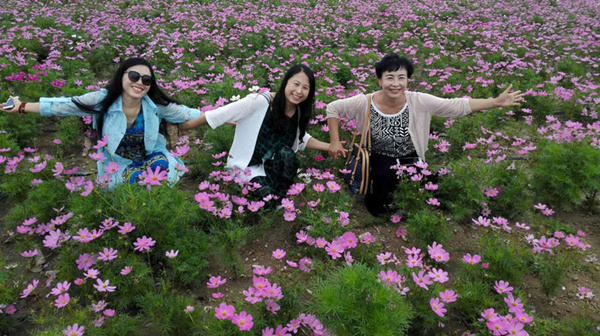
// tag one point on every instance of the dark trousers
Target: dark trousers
(384, 181)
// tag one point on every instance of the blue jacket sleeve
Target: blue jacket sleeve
(63, 106)
(175, 113)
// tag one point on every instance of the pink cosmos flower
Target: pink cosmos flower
(349, 240)
(102, 142)
(401, 232)
(103, 286)
(217, 295)
(516, 329)
(289, 216)
(172, 254)
(74, 330)
(109, 312)
(126, 270)
(321, 242)
(438, 275)
(437, 307)
(422, 279)
(414, 260)
(367, 238)
(318, 187)
(108, 254)
(252, 295)
(189, 309)
(305, 264)
(396, 218)
(92, 273)
(112, 168)
(488, 314)
(433, 201)
(514, 305)
(62, 300)
(143, 244)
(215, 282)
(262, 270)
(151, 178)
(224, 311)
(334, 250)
(502, 287)
(278, 254)
(273, 307)
(498, 326)
(261, 284)
(30, 253)
(389, 278)
(584, 293)
(85, 261)
(61, 287)
(448, 296)
(437, 253)
(333, 186)
(243, 321)
(126, 228)
(474, 259)
(481, 221)
(98, 306)
(29, 289)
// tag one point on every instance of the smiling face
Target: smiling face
(297, 89)
(393, 83)
(136, 90)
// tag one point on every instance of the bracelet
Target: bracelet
(22, 108)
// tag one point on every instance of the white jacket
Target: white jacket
(248, 113)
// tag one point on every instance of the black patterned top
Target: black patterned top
(389, 133)
(132, 145)
(269, 141)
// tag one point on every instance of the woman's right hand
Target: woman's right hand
(15, 109)
(336, 148)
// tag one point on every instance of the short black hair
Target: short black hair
(393, 62)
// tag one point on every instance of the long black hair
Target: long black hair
(276, 116)
(115, 88)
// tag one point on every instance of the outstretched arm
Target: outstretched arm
(28, 108)
(505, 99)
(325, 147)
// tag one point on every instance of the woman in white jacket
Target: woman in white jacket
(270, 129)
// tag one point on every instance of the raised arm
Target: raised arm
(506, 98)
(60, 106)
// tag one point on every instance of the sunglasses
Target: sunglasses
(135, 76)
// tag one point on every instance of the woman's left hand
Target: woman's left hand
(508, 98)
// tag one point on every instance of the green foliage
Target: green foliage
(460, 192)
(552, 270)
(507, 260)
(39, 201)
(164, 213)
(564, 173)
(474, 292)
(428, 226)
(350, 301)
(163, 313)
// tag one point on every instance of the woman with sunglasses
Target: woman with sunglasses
(270, 128)
(127, 114)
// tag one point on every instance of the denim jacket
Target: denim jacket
(115, 124)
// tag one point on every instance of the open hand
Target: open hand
(508, 98)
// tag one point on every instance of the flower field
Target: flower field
(505, 241)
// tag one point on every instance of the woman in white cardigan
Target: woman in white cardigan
(399, 122)
(270, 128)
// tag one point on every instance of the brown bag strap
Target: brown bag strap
(366, 128)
